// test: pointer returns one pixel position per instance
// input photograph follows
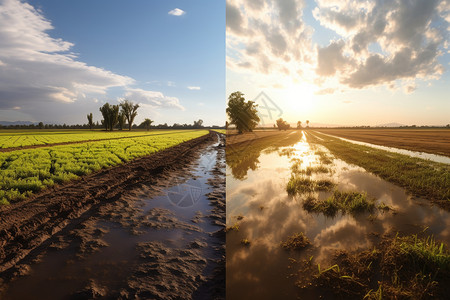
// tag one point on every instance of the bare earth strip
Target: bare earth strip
(435, 141)
(235, 139)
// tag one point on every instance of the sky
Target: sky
(336, 62)
(60, 60)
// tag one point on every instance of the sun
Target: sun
(300, 97)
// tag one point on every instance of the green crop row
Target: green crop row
(24, 172)
(23, 138)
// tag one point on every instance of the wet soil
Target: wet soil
(114, 234)
(234, 139)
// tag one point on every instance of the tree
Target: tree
(121, 120)
(147, 123)
(241, 113)
(299, 124)
(110, 115)
(41, 125)
(198, 124)
(307, 123)
(282, 124)
(90, 120)
(129, 109)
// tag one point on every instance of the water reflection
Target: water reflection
(261, 270)
(245, 156)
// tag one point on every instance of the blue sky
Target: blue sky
(343, 62)
(173, 64)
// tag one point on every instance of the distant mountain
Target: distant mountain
(391, 125)
(6, 123)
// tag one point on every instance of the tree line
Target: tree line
(117, 115)
(244, 115)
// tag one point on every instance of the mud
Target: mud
(110, 239)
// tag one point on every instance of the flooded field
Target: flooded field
(161, 240)
(268, 210)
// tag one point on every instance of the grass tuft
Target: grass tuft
(297, 241)
(406, 267)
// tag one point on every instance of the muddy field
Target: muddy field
(436, 141)
(289, 237)
(151, 228)
(234, 139)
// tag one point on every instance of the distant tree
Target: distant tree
(282, 125)
(242, 114)
(129, 109)
(90, 120)
(41, 125)
(121, 120)
(307, 123)
(198, 124)
(299, 124)
(110, 115)
(147, 123)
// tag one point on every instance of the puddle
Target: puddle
(422, 155)
(175, 222)
(261, 270)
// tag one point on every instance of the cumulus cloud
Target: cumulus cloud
(410, 36)
(37, 68)
(377, 42)
(176, 12)
(40, 79)
(194, 88)
(268, 37)
(152, 98)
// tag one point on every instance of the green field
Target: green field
(223, 131)
(24, 172)
(22, 138)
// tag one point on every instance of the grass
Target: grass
(24, 172)
(234, 227)
(245, 242)
(302, 185)
(286, 152)
(21, 138)
(420, 177)
(297, 241)
(324, 158)
(223, 131)
(347, 202)
(406, 267)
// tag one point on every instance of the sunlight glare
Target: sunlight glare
(300, 97)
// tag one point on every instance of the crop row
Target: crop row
(25, 172)
(30, 138)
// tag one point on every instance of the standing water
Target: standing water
(260, 211)
(158, 241)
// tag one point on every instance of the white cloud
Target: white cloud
(269, 38)
(176, 12)
(153, 98)
(37, 68)
(193, 87)
(378, 42)
(409, 42)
